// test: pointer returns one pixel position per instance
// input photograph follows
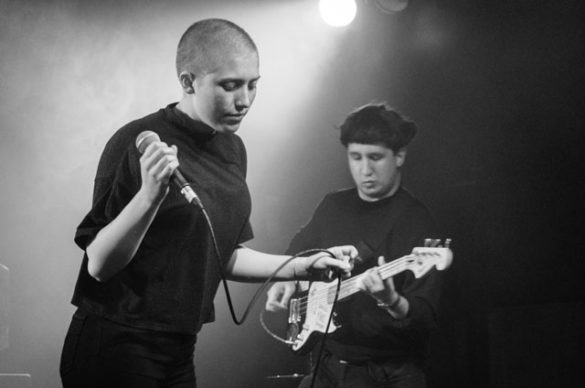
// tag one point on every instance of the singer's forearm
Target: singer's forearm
(116, 244)
(249, 265)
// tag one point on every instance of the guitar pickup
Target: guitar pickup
(294, 312)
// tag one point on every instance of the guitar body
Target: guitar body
(316, 317)
(312, 312)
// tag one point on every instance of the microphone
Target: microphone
(143, 140)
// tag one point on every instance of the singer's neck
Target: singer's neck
(187, 108)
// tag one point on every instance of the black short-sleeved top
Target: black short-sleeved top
(368, 332)
(170, 283)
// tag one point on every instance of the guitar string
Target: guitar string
(348, 287)
(349, 284)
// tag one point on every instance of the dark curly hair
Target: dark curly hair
(377, 123)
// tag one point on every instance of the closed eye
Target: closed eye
(230, 86)
(375, 157)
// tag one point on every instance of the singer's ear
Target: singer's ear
(186, 79)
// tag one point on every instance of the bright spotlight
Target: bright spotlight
(337, 13)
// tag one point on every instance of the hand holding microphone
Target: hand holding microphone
(159, 165)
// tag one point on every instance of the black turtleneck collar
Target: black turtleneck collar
(380, 202)
(197, 129)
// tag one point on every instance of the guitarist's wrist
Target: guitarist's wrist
(392, 303)
(399, 307)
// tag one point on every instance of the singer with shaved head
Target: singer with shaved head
(155, 253)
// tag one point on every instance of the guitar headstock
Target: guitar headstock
(433, 254)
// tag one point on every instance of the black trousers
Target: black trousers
(98, 353)
(334, 373)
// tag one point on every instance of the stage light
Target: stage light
(337, 13)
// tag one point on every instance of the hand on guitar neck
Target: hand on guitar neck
(383, 291)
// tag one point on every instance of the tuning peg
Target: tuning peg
(436, 243)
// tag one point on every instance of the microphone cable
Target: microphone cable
(324, 337)
(143, 140)
(264, 285)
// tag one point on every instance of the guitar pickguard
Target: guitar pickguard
(318, 311)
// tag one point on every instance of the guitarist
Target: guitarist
(384, 333)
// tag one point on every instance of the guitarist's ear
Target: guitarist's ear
(400, 156)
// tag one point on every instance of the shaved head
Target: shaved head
(208, 41)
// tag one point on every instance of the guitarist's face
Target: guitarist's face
(375, 169)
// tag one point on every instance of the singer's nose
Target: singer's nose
(243, 100)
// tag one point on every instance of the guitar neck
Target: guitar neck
(349, 287)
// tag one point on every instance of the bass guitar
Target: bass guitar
(314, 310)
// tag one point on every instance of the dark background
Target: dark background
(496, 87)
